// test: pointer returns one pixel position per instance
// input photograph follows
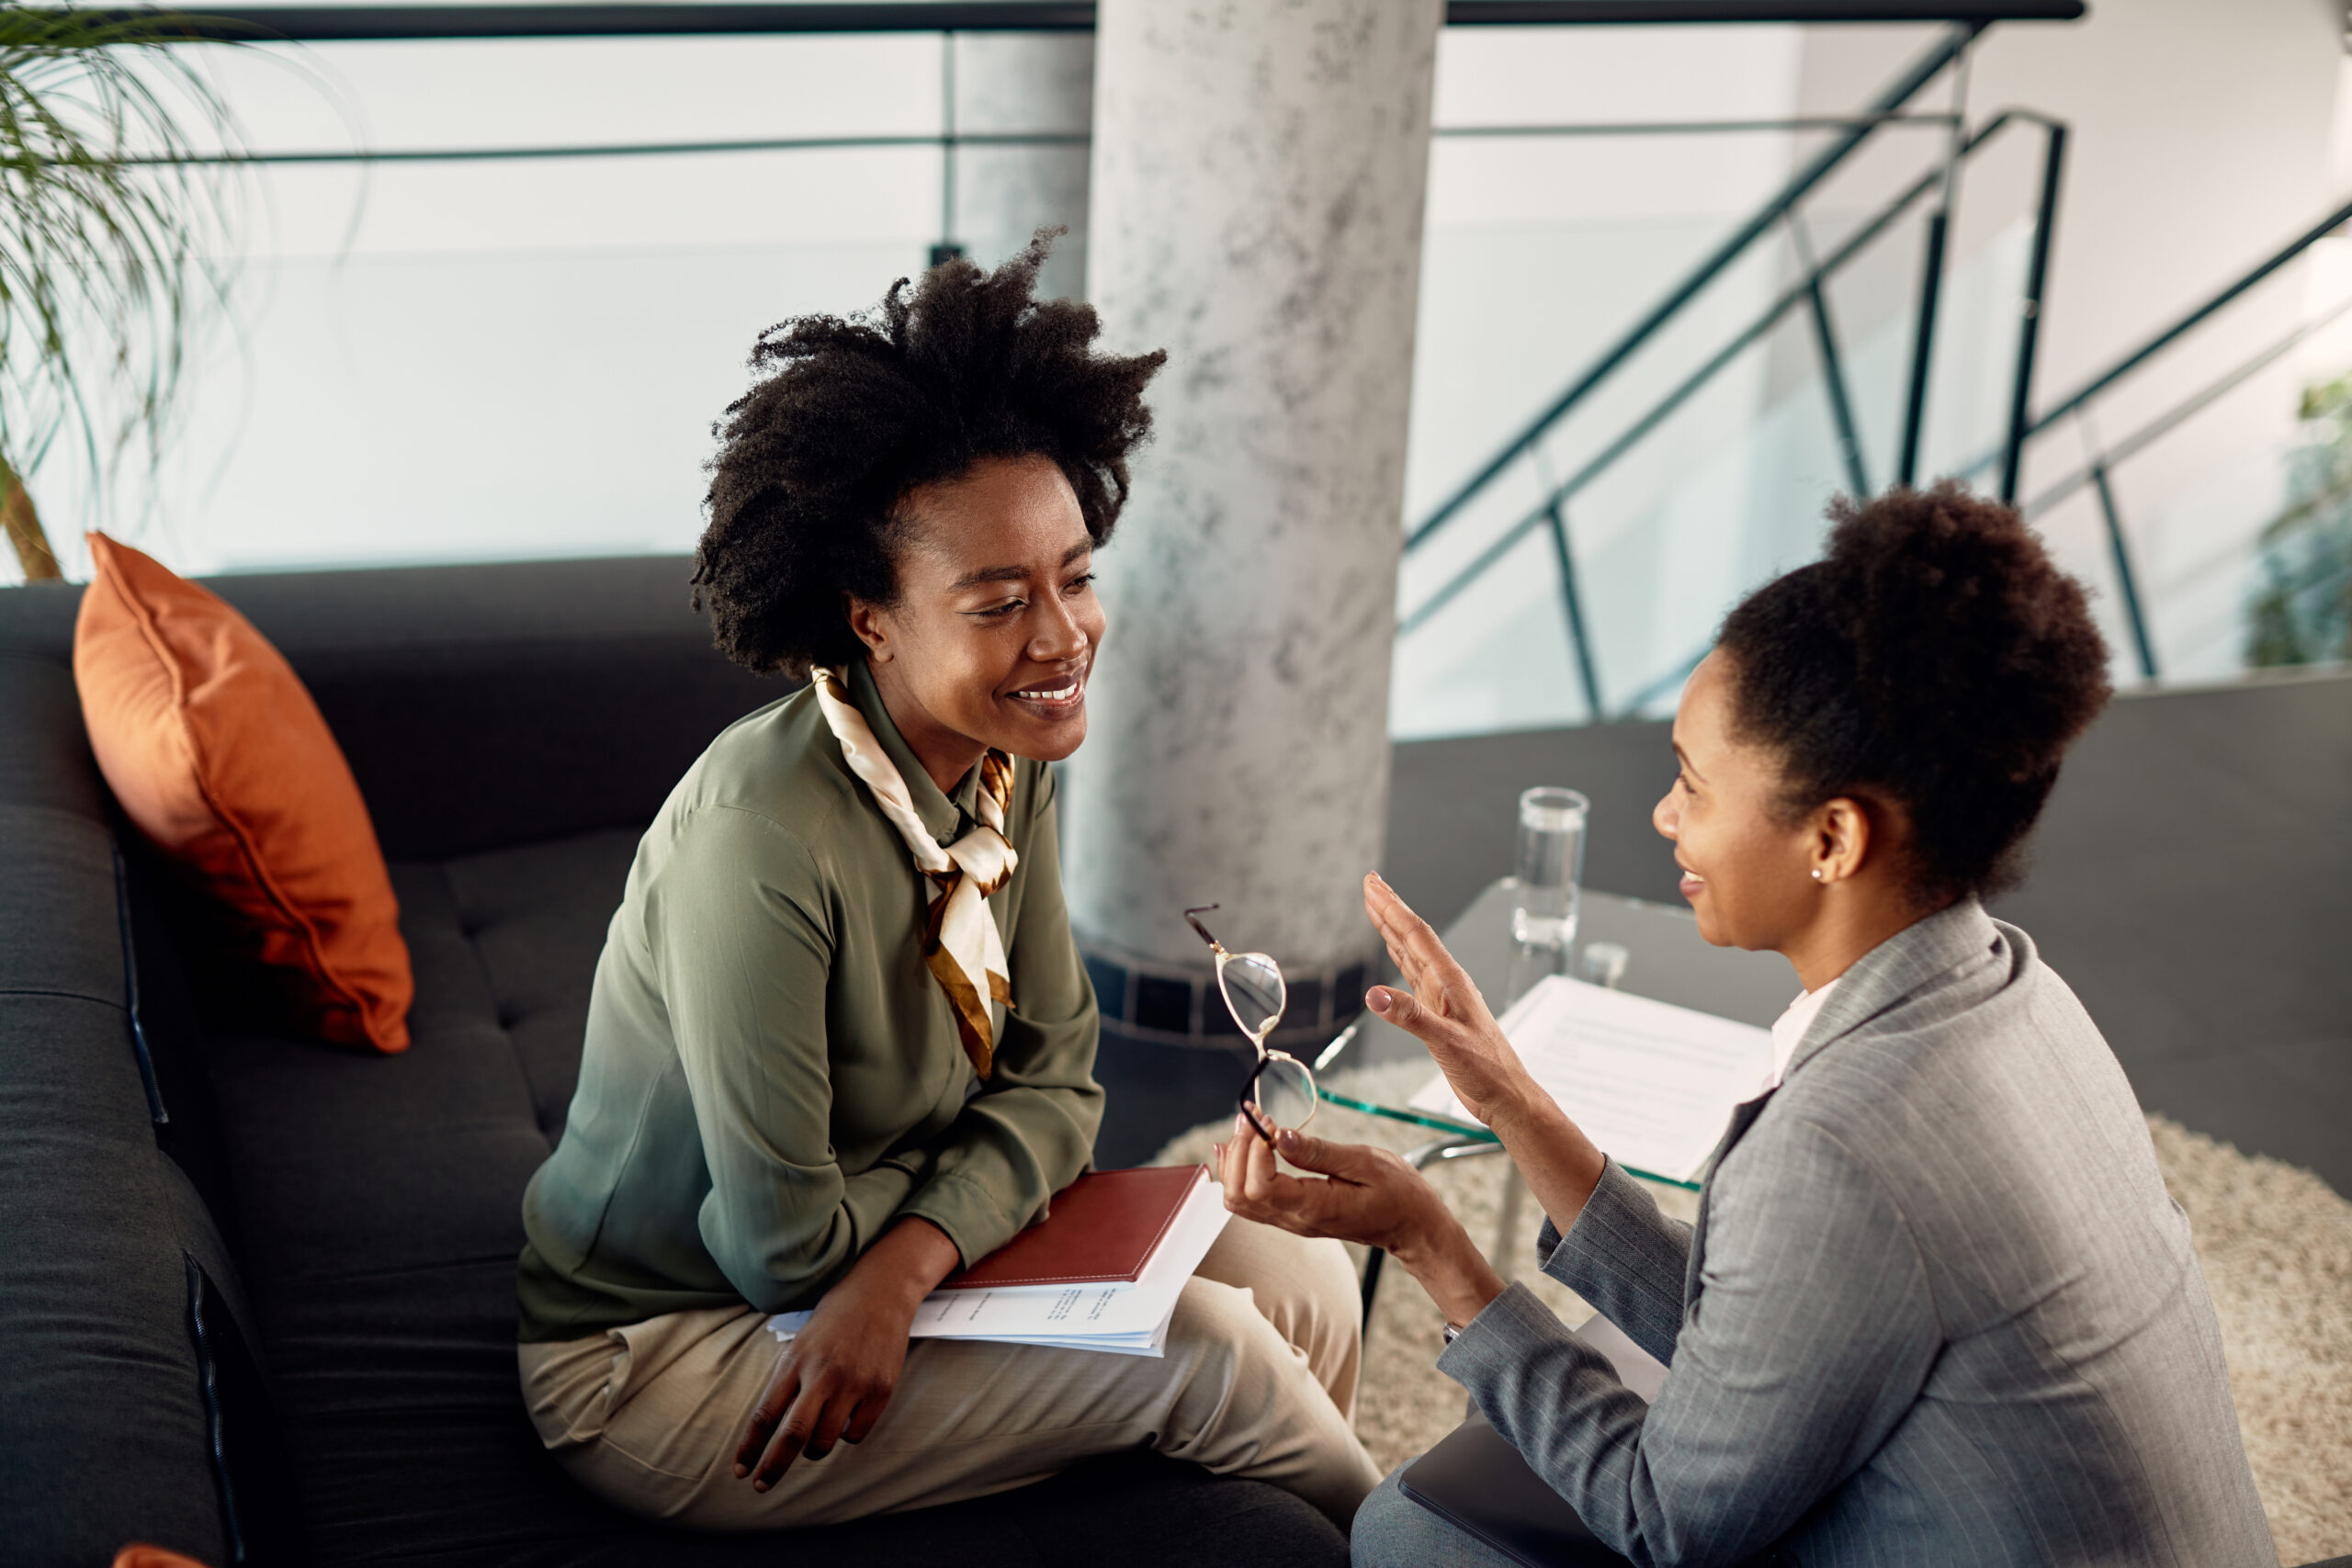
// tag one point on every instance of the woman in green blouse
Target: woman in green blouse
(840, 1042)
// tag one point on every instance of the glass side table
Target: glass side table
(1669, 962)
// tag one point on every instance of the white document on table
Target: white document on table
(1124, 1318)
(1653, 1083)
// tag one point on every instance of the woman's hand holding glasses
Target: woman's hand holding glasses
(1367, 1195)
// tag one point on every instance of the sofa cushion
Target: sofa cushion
(217, 752)
(496, 704)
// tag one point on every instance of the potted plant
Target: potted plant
(2301, 611)
(112, 199)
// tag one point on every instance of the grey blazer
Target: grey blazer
(1938, 1307)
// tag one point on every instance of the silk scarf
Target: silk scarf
(959, 939)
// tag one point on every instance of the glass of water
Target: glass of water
(1604, 963)
(1550, 867)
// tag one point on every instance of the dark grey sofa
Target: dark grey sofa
(256, 1297)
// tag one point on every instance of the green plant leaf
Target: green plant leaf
(114, 200)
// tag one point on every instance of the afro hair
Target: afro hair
(847, 416)
(1935, 657)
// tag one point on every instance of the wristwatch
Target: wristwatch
(1452, 1333)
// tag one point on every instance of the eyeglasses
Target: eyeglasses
(1281, 1090)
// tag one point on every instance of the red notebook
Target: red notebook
(1100, 1230)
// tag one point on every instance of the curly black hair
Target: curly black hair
(849, 415)
(1935, 657)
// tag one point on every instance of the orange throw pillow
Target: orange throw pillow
(137, 1554)
(217, 753)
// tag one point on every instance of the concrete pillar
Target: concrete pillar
(1258, 189)
(1023, 84)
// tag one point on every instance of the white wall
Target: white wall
(440, 361)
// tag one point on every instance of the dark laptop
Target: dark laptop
(1475, 1481)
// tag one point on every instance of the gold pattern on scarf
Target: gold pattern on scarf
(961, 945)
(974, 1023)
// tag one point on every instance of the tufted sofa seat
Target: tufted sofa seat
(257, 1294)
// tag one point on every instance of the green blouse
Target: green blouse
(771, 1075)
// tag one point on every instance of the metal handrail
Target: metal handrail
(2095, 473)
(1506, 129)
(1802, 292)
(2196, 317)
(1921, 72)
(323, 23)
(529, 151)
(2179, 413)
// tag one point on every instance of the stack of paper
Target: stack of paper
(1126, 1318)
(1653, 1083)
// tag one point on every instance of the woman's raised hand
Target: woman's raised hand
(1444, 1010)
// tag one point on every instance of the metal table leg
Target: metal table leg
(1514, 1194)
(1451, 1146)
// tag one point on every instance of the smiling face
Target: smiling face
(1747, 870)
(994, 630)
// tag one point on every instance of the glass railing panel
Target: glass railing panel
(1669, 570)
(1975, 365)
(2222, 451)
(2201, 575)
(1542, 249)
(1725, 490)
(2214, 523)
(1500, 535)
(572, 92)
(1509, 311)
(512, 357)
(1494, 658)
(1478, 324)
(1718, 497)
(385, 409)
(2199, 558)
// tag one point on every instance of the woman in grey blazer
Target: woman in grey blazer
(1937, 1307)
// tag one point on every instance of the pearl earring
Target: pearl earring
(1816, 874)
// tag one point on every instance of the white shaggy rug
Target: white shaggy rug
(2275, 1240)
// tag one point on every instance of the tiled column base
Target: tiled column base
(1174, 1006)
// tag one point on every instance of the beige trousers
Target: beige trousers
(1259, 1380)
